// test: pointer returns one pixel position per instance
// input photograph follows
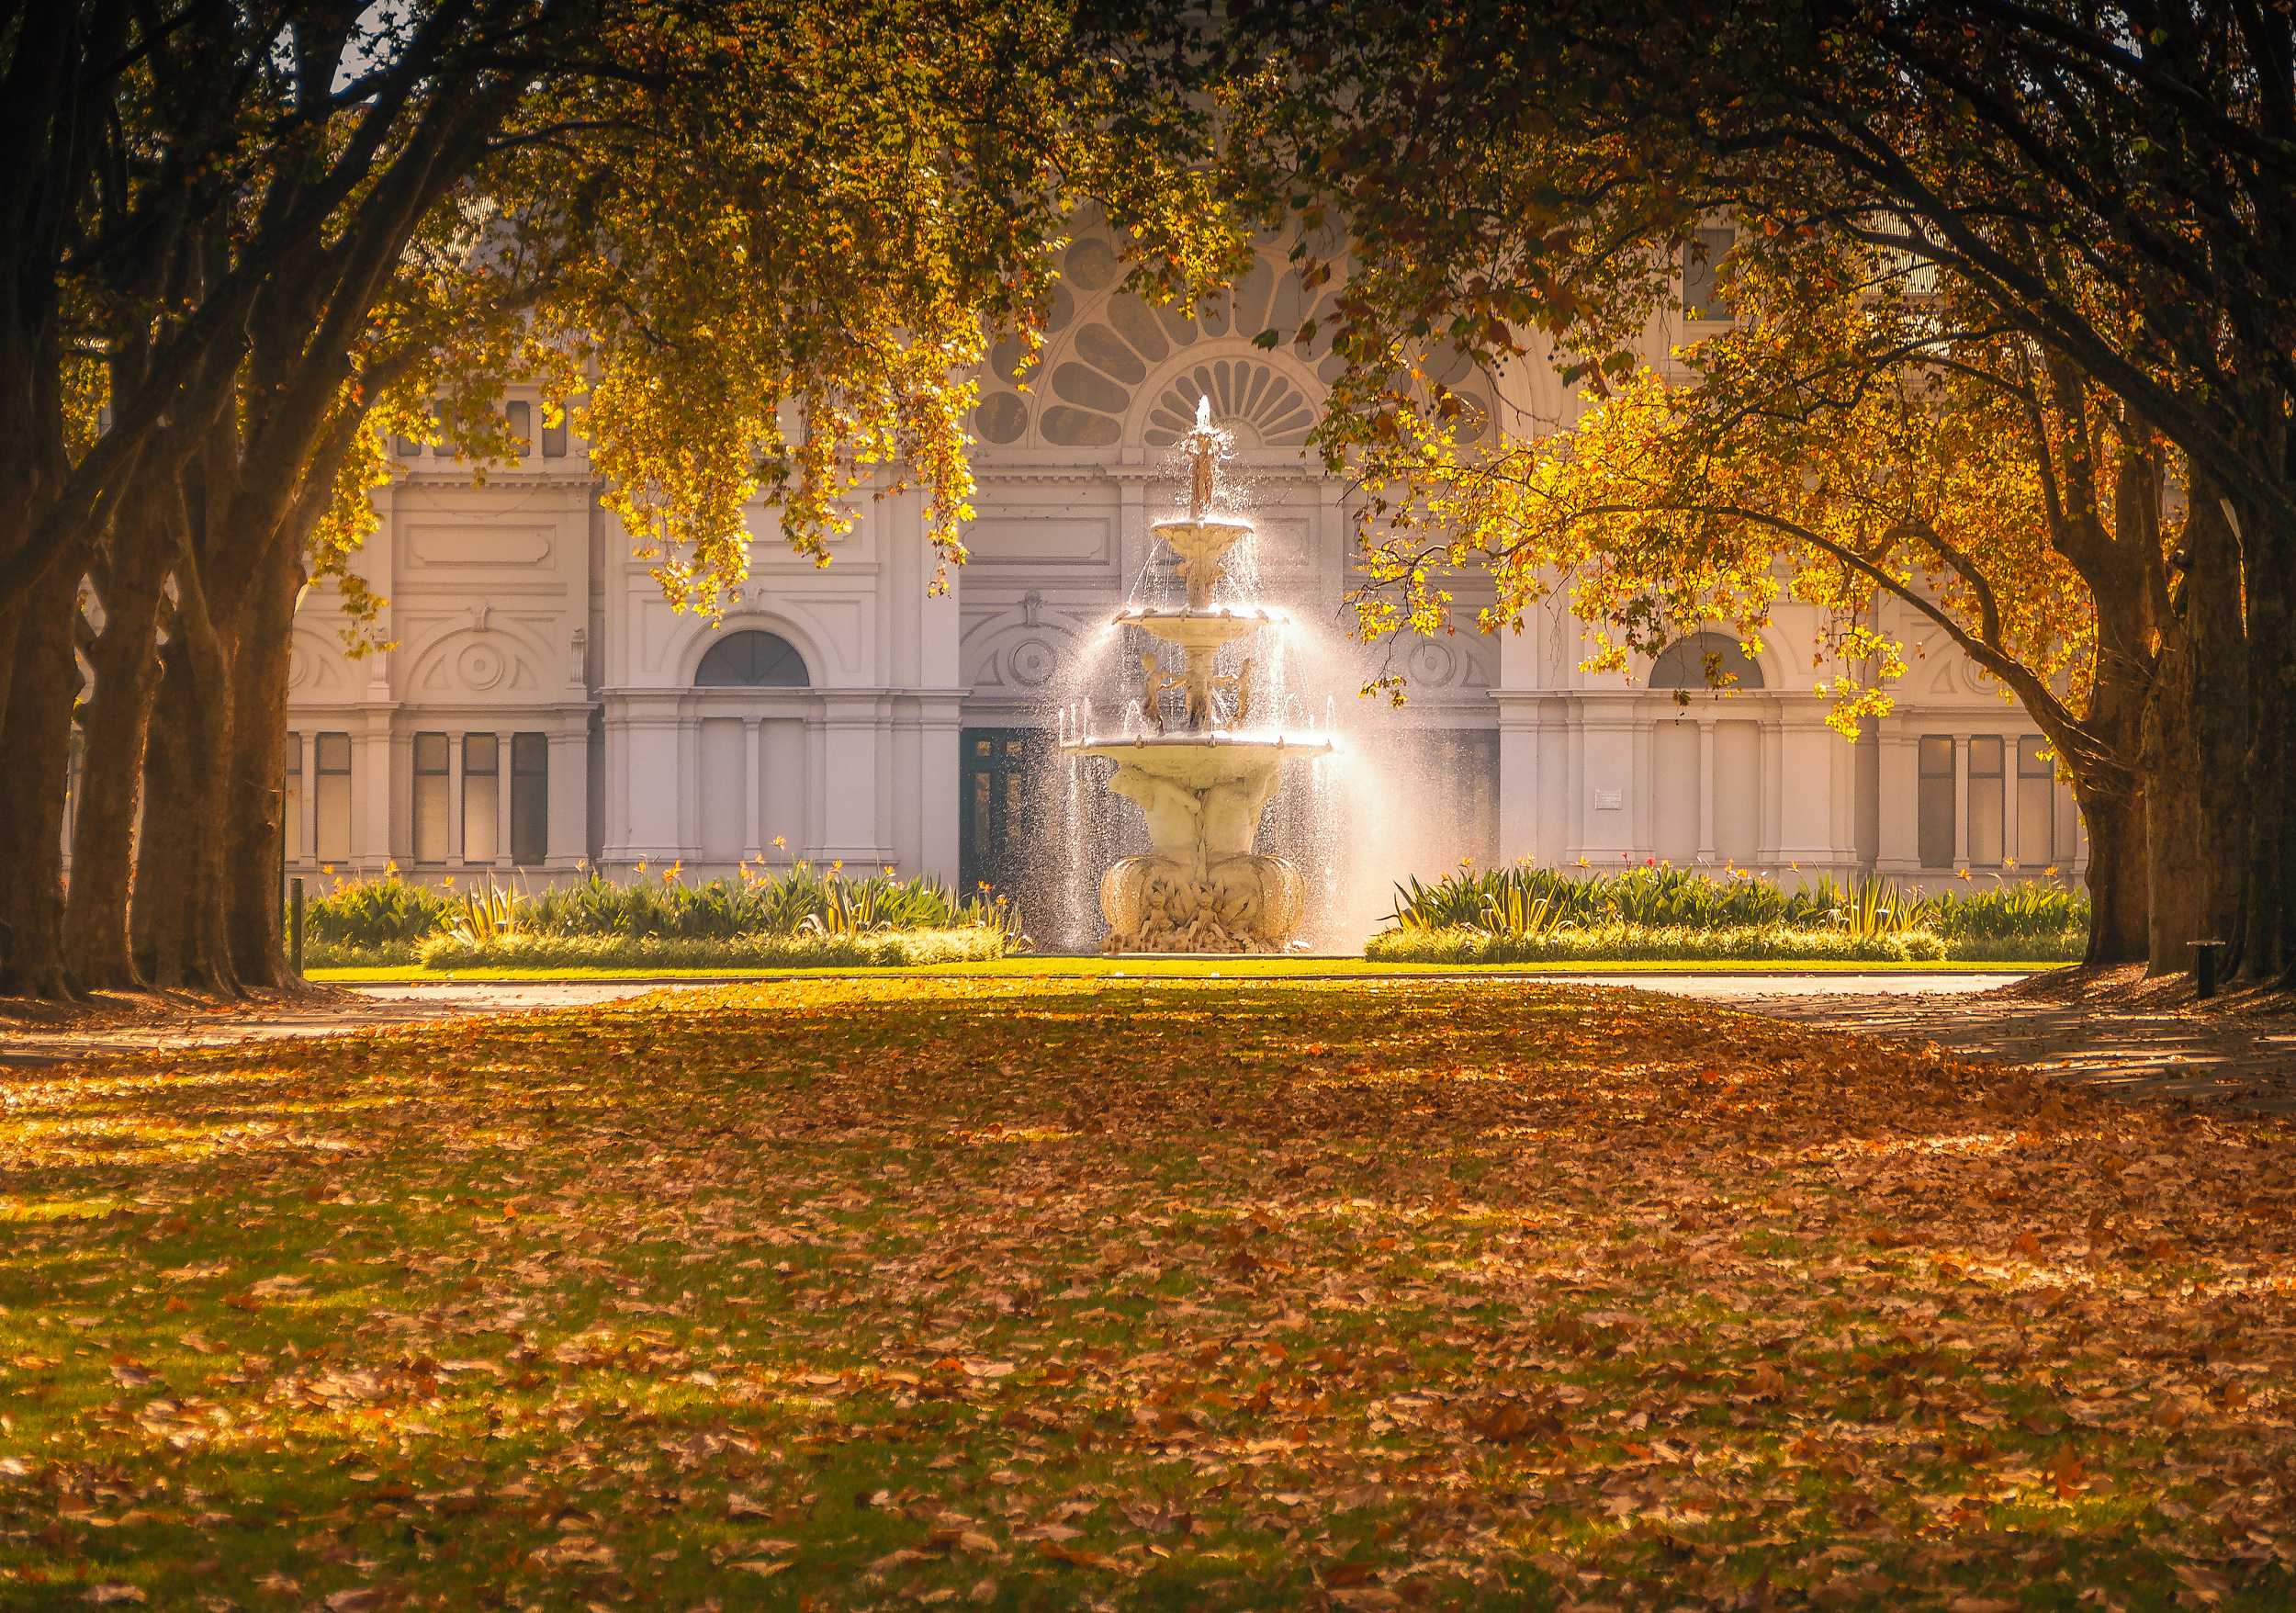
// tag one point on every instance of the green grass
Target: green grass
(1067, 1291)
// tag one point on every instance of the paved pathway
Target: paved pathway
(2246, 1061)
(367, 1008)
(362, 1008)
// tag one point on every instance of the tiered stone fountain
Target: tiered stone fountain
(1204, 786)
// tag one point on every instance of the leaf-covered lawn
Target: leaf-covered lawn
(1112, 1293)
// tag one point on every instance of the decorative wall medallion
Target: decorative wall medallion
(1429, 664)
(1033, 662)
(479, 666)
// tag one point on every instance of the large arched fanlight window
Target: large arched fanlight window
(1683, 664)
(1104, 366)
(752, 661)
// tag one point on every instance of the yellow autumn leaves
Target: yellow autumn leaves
(1851, 437)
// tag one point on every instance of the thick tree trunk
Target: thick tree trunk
(35, 739)
(2216, 715)
(2268, 949)
(2120, 924)
(2175, 861)
(257, 786)
(114, 722)
(179, 932)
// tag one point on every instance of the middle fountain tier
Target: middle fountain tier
(1203, 787)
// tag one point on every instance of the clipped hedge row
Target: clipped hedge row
(880, 948)
(2067, 946)
(339, 954)
(1650, 943)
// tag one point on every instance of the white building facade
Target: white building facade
(545, 712)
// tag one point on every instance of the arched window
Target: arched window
(752, 661)
(1683, 664)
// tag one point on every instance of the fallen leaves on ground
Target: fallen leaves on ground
(1059, 1294)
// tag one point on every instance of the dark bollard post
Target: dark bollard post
(2204, 968)
(295, 930)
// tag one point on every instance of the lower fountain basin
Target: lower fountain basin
(1203, 793)
(1203, 888)
(1244, 903)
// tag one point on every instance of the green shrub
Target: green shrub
(2002, 909)
(1509, 901)
(949, 944)
(2070, 946)
(374, 912)
(389, 911)
(1617, 943)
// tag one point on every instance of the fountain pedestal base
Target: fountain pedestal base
(1245, 903)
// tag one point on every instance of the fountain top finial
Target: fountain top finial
(1200, 538)
(1203, 450)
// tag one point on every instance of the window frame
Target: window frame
(1929, 800)
(530, 799)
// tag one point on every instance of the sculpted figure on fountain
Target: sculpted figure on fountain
(1152, 690)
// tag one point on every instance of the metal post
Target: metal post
(295, 930)
(2204, 968)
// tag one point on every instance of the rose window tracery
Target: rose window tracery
(1098, 357)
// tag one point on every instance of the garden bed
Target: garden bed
(1642, 942)
(957, 944)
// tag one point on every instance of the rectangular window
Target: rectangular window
(431, 784)
(291, 798)
(481, 797)
(554, 437)
(518, 419)
(1702, 300)
(1935, 802)
(406, 447)
(530, 799)
(333, 831)
(1988, 804)
(2036, 803)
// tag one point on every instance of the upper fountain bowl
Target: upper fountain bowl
(1211, 535)
(1195, 629)
(1200, 541)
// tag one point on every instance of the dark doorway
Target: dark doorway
(1000, 809)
